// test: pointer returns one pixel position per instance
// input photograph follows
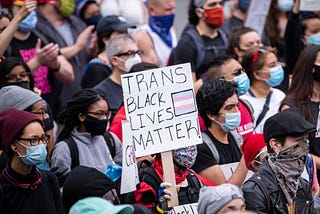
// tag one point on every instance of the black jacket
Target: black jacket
(271, 199)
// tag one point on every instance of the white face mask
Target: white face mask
(130, 62)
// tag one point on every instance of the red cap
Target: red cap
(12, 122)
(6, 3)
(251, 147)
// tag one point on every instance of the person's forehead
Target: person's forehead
(249, 37)
(230, 66)
(231, 101)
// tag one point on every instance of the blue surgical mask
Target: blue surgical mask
(232, 121)
(285, 5)
(35, 154)
(276, 76)
(243, 83)
(28, 23)
(314, 39)
(161, 25)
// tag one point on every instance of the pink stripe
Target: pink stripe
(183, 98)
(178, 108)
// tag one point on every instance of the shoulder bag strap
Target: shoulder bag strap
(265, 109)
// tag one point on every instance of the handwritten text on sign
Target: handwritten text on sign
(185, 209)
(161, 108)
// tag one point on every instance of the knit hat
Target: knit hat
(16, 97)
(212, 199)
(251, 147)
(94, 205)
(6, 3)
(12, 122)
(110, 24)
(286, 123)
(84, 182)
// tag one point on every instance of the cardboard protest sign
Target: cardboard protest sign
(161, 109)
(229, 168)
(185, 209)
(129, 177)
(309, 5)
(256, 15)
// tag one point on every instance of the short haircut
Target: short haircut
(215, 68)
(142, 66)
(117, 44)
(211, 97)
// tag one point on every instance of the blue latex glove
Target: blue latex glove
(113, 172)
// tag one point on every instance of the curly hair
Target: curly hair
(211, 97)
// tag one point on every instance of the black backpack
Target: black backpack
(74, 152)
(201, 48)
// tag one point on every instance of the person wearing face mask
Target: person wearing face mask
(217, 103)
(277, 187)
(151, 191)
(84, 139)
(207, 40)
(41, 56)
(123, 53)
(99, 67)
(304, 93)
(229, 69)
(157, 38)
(265, 73)
(303, 28)
(34, 190)
(89, 11)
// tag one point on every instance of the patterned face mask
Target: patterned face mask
(185, 156)
(288, 166)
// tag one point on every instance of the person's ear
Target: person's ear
(212, 117)
(275, 145)
(81, 117)
(199, 12)
(114, 61)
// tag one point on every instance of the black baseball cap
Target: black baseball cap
(111, 23)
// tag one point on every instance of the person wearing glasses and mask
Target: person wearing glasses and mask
(265, 72)
(123, 53)
(26, 100)
(84, 139)
(25, 188)
(229, 69)
(278, 187)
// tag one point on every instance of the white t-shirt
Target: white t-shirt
(258, 103)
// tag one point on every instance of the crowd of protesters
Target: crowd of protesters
(61, 106)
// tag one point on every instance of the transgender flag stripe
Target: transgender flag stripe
(183, 102)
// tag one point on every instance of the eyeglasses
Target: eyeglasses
(34, 141)
(238, 71)
(101, 114)
(257, 158)
(41, 113)
(12, 77)
(130, 53)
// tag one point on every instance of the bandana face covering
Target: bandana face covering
(288, 166)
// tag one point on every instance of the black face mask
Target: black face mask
(95, 126)
(21, 83)
(316, 73)
(93, 20)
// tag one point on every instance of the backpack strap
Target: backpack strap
(207, 140)
(199, 45)
(265, 109)
(223, 37)
(110, 143)
(238, 138)
(258, 181)
(74, 152)
(248, 107)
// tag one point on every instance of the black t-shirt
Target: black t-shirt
(228, 153)
(186, 51)
(94, 74)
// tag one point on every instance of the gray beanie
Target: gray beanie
(17, 97)
(212, 199)
(199, 3)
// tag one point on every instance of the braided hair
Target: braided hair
(79, 103)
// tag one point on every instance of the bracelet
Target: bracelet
(56, 69)
(161, 211)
